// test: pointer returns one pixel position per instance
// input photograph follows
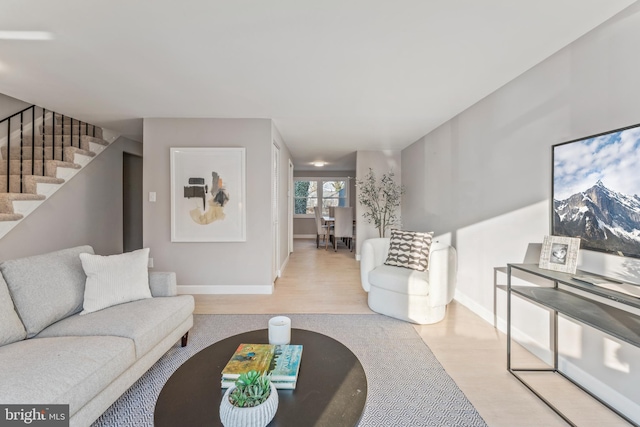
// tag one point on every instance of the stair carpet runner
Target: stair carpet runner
(77, 140)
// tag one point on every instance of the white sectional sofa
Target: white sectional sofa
(50, 354)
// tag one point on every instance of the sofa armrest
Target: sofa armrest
(374, 253)
(443, 265)
(163, 284)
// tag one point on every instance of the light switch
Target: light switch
(150, 262)
(152, 196)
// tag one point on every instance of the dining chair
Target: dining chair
(343, 226)
(321, 229)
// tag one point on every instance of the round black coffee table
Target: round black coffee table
(331, 389)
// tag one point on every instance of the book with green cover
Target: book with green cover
(249, 357)
(285, 363)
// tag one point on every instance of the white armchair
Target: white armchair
(414, 296)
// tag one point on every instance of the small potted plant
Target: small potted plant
(251, 402)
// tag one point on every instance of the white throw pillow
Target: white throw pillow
(115, 279)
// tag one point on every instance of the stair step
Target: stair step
(48, 140)
(95, 140)
(7, 199)
(29, 183)
(58, 118)
(50, 167)
(66, 130)
(27, 153)
(84, 141)
(10, 217)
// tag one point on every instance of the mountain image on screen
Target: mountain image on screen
(603, 219)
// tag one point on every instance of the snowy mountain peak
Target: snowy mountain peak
(601, 217)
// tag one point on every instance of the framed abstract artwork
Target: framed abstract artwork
(208, 195)
(560, 254)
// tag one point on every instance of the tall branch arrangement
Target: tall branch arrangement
(381, 199)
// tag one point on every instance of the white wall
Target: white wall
(283, 208)
(483, 179)
(229, 267)
(9, 105)
(380, 162)
(87, 210)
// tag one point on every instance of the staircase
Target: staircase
(40, 150)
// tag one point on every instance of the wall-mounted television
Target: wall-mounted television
(596, 191)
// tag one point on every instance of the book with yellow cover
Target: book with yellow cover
(282, 362)
(249, 357)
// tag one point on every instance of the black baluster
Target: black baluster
(21, 150)
(44, 115)
(33, 140)
(8, 152)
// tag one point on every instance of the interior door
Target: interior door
(290, 207)
(131, 202)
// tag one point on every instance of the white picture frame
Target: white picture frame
(208, 194)
(560, 254)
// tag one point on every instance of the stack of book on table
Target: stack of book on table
(281, 361)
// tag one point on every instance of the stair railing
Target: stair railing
(20, 122)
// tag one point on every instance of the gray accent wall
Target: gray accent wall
(87, 210)
(483, 182)
(210, 264)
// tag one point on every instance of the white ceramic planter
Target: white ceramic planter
(258, 416)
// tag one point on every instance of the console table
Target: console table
(604, 317)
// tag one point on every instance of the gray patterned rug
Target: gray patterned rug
(398, 394)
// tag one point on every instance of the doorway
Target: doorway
(275, 207)
(131, 202)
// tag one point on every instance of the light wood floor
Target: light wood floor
(471, 350)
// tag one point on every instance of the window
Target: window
(325, 192)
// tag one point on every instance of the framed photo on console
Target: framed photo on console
(208, 194)
(560, 254)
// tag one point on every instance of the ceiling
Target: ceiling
(336, 76)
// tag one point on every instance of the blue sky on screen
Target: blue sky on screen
(613, 158)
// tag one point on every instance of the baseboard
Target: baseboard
(226, 290)
(478, 309)
(522, 338)
(304, 236)
(602, 390)
(284, 265)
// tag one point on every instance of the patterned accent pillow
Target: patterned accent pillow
(409, 249)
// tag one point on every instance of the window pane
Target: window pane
(304, 206)
(334, 189)
(334, 193)
(305, 196)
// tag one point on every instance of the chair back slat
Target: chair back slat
(319, 227)
(343, 222)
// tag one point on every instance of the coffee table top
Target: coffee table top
(331, 389)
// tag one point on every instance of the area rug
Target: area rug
(407, 386)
